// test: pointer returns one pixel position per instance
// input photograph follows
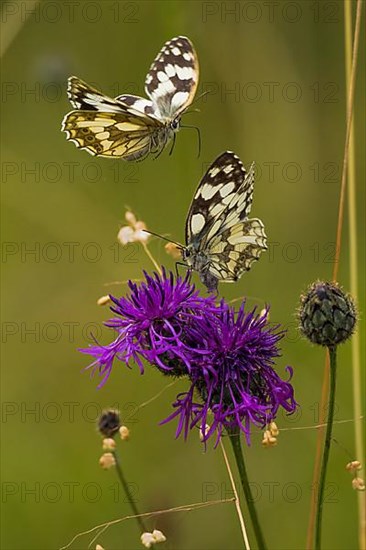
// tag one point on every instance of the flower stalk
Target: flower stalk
(327, 443)
(234, 436)
(128, 493)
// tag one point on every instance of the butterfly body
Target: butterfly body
(221, 241)
(132, 127)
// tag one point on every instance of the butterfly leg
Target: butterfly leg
(198, 136)
(189, 269)
(173, 144)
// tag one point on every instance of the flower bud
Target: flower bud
(103, 300)
(358, 484)
(149, 539)
(130, 217)
(158, 536)
(124, 432)
(268, 439)
(353, 466)
(274, 429)
(173, 251)
(327, 314)
(106, 461)
(109, 444)
(204, 432)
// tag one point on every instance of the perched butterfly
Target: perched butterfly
(132, 127)
(221, 242)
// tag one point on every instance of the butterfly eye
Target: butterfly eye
(175, 124)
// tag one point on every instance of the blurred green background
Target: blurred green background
(276, 73)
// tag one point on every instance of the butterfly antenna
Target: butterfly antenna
(192, 111)
(173, 144)
(198, 135)
(180, 246)
(201, 95)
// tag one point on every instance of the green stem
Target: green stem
(328, 438)
(129, 494)
(235, 436)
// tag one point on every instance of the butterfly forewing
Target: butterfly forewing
(218, 188)
(172, 80)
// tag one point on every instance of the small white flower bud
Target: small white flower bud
(108, 444)
(158, 536)
(274, 429)
(203, 434)
(106, 461)
(103, 300)
(124, 432)
(353, 466)
(147, 540)
(130, 218)
(358, 484)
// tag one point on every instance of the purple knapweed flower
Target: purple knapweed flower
(236, 382)
(152, 323)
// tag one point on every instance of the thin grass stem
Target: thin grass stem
(237, 501)
(350, 104)
(353, 268)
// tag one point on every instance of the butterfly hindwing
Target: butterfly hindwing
(234, 250)
(172, 80)
(111, 135)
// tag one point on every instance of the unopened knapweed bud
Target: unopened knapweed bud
(327, 314)
(124, 432)
(106, 461)
(109, 423)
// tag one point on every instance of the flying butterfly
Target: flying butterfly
(131, 127)
(221, 241)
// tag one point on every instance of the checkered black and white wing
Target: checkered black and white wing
(84, 97)
(172, 80)
(235, 248)
(224, 195)
(218, 232)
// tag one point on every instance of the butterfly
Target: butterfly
(221, 241)
(131, 127)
